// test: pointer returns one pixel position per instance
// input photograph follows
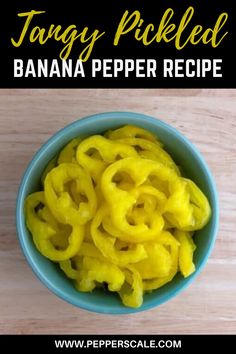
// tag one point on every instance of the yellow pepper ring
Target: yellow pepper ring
(107, 150)
(157, 264)
(106, 244)
(60, 202)
(131, 131)
(168, 240)
(186, 250)
(121, 201)
(60, 239)
(101, 271)
(67, 268)
(194, 210)
(200, 205)
(43, 232)
(68, 153)
(149, 213)
(157, 152)
(145, 191)
(132, 291)
(146, 211)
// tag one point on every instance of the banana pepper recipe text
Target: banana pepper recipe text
(80, 42)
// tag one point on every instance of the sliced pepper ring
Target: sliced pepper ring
(68, 153)
(67, 268)
(94, 270)
(59, 200)
(106, 244)
(42, 232)
(121, 201)
(131, 292)
(106, 152)
(186, 251)
(148, 212)
(151, 150)
(132, 131)
(200, 205)
(168, 240)
(157, 264)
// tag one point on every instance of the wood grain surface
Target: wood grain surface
(208, 118)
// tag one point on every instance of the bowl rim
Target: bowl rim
(90, 119)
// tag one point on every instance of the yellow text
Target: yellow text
(67, 36)
(167, 30)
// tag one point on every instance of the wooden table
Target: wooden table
(208, 118)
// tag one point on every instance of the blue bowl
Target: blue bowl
(184, 153)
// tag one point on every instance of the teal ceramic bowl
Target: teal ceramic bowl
(184, 153)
